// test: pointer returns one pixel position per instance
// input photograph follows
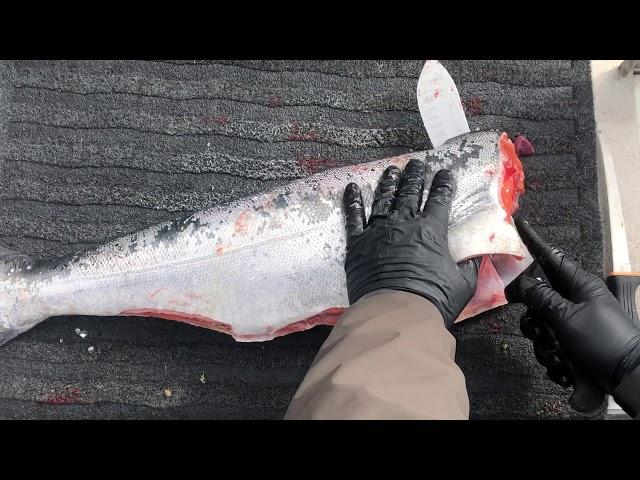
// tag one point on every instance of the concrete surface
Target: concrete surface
(93, 150)
(617, 112)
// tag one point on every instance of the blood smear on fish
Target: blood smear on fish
(241, 225)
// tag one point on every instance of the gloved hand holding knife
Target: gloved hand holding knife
(581, 332)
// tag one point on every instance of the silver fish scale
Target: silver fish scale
(472, 158)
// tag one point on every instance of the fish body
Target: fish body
(271, 264)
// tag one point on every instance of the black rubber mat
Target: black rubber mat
(93, 150)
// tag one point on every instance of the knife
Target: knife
(622, 281)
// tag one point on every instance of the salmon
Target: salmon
(272, 264)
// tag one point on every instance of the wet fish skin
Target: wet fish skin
(261, 266)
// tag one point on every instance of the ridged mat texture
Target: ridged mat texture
(93, 150)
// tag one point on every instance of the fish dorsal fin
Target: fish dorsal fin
(439, 104)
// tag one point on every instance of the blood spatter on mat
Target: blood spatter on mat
(66, 396)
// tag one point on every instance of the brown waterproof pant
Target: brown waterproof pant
(389, 357)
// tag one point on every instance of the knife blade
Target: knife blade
(439, 104)
(621, 280)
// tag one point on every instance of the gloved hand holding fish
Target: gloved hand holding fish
(273, 264)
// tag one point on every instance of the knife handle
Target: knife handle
(586, 396)
(626, 288)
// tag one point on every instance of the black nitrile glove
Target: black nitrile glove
(404, 248)
(573, 316)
